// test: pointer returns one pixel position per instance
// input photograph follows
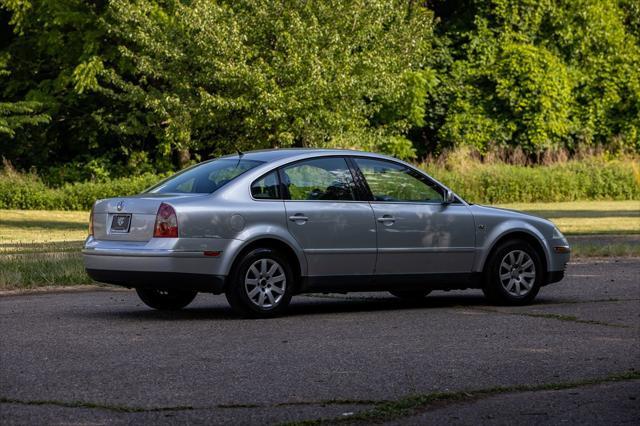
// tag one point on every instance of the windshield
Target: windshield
(204, 178)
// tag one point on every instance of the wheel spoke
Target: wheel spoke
(261, 299)
(277, 289)
(512, 259)
(254, 271)
(527, 264)
(272, 300)
(520, 257)
(272, 270)
(529, 274)
(251, 281)
(253, 292)
(510, 286)
(505, 276)
(263, 266)
(518, 288)
(277, 279)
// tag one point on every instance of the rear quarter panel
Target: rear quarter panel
(235, 217)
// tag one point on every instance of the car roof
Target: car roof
(270, 155)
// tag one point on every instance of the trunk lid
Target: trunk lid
(130, 218)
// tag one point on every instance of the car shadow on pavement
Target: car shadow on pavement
(304, 305)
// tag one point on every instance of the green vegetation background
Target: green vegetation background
(588, 179)
(95, 91)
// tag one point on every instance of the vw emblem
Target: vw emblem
(121, 221)
(120, 206)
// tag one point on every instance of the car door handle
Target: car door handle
(298, 218)
(386, 219)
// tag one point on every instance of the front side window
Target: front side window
(327, 179)
(267, 187)
(205, 178)
(394, 182)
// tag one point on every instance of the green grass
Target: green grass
(580, 249)
(42, 248)
(27, 271)
(587, 217)
(42, 226)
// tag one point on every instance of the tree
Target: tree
(537, 75)
(262, 74)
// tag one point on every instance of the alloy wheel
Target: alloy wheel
(517, 273)
(265, 283)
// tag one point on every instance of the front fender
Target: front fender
(490, 237)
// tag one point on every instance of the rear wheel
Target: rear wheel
(514, 274)
(261, 285)
(410, 294)
(166, 300)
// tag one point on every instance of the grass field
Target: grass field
(39, 248)
(588, 217)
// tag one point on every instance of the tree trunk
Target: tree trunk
(183, 157)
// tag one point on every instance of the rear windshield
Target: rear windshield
(204, 178)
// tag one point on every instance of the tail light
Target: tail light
(91, 222)
(166, 222)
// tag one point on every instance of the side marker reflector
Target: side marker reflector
(212, 253)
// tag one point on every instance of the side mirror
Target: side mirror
(448, 197)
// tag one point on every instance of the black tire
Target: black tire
(166, 300)
(410, 294)
(496, 288)
(238, 290)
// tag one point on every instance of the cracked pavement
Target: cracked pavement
(103, 357)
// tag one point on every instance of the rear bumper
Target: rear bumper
(145, 265)
(165, 280)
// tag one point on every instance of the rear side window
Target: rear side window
(205, 178)
(267, 187)
(326, 179)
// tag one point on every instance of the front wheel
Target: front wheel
(514, 274)
(261, 284)
(166, 300)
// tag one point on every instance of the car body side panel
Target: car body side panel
(234, 217)
(261, 231)
(424, 238)
(493, 224)
(339, 238)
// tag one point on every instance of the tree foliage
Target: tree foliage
(113, 87)
(538, 74)
(262, 74)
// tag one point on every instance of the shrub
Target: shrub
(590, 179)
(81, 196)
(571, 181)
(28, 192)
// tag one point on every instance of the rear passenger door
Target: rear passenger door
(336, 231)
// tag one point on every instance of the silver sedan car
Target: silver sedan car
(263, 226)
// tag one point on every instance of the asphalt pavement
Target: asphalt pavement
(102, 357)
